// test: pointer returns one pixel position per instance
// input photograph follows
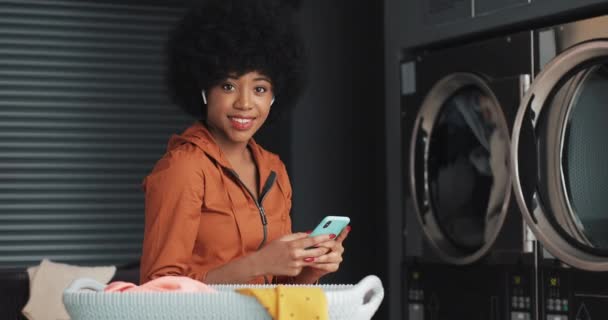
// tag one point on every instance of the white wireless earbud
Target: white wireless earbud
(272, 101)
(204, 96)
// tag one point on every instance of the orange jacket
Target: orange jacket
(200, 216)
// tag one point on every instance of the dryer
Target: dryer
(467, 255)
(560, 167)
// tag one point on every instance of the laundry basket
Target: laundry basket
(84, 299)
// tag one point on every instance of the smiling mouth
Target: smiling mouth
(241, 123)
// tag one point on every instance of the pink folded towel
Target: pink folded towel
(162, 284)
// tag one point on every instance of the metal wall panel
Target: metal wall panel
(84, 115)
(484, 7)
(438, 23)
(441, 12)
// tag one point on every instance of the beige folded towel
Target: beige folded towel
(47, 282)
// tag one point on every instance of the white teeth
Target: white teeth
(240, 120)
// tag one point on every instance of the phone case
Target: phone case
(331, 224)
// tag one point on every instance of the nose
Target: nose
(244, 101)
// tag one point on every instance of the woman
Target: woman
(217, 203)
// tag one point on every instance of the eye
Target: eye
(260, 89)
(227, 87)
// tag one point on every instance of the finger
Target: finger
(332, 246)
(313, 252)
(312, 261)
(338, 248)
(309, 261)
(332, 257)
(343, 234)
(328, 267)
(294, 236)
(312, 241)
(329, 245)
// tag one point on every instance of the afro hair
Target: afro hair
(234, 37)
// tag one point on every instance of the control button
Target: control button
(520, 316)
(557, 317)
(416, 311)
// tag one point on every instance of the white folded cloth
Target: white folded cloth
(49, 280)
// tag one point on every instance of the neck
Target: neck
(233, 151)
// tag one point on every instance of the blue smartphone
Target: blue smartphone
(331, 224)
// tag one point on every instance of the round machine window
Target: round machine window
(583, 157)
(468, 167)
(561, 127)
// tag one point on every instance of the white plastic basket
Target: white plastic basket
(84, 299)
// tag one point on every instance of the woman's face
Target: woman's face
(237, 107)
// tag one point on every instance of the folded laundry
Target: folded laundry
(291, 302)
(162, 284)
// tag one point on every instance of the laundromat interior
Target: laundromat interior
(465, 140)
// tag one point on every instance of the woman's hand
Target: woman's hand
(287, 255)
(327, 263)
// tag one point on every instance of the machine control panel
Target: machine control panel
(556, 300)
(520, 296)
(415, 296)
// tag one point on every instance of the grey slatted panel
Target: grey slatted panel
(84, 115)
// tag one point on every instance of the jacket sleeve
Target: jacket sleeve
(283, 178)
(173, 201)
(285, 185)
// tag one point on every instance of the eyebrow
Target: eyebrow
(256, 79)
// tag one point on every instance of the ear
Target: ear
(204, 95)
(271, 101)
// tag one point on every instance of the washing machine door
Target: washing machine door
(560, 156)
(459, 167)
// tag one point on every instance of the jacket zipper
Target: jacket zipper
(267, 186)
(259, 203)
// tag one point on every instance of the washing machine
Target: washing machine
(560, 167)
(467, 252)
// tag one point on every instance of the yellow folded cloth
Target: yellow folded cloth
(288, 303)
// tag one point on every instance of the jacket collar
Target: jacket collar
(199, 135)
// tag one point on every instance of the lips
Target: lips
(241, 123)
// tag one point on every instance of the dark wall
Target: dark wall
(337, 136)
(333, 140)
(334, 157)
(394, 31)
